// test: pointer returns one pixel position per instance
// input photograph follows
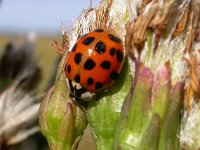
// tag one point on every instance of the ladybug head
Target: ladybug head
(79, 92)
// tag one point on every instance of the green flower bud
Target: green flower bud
(61, 120)
(161, 92)
(170, 129)
(150, 118)
(135, 114)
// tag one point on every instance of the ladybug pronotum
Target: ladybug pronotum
(94, 63)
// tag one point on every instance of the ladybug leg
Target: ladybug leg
(82, 104)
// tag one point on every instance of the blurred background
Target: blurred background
(28, 63)
(40, 21)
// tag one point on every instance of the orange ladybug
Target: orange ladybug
(94, 63)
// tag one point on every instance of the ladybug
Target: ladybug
(94, 63)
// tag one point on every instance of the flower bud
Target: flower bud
(62, 121)
(135, 114)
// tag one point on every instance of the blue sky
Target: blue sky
(39, 15)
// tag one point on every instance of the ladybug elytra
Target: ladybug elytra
(94, 63)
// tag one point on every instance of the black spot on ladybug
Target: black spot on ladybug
(99, 30)
(114, 75)
(77, 58)
(119, 56)
(69, 68)
(112, 51)
(88, 40)
(74, 48)
(98, 85)
(114, 38)
(90, 81)
(89, 64)
(106, 65)
(77, 78)
(100, 47)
